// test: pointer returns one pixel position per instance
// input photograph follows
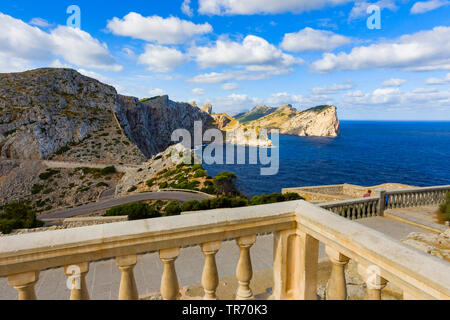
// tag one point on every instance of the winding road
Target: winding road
(110, 203)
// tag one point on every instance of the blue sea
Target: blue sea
(367, 153)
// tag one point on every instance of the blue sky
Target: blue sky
(238, 54)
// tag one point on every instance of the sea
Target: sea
(367, 153)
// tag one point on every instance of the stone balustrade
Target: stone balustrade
(375, 206)
(298, 228)
(406, 198)
(355, 209)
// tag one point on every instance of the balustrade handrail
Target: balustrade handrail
(421, 190)
(42, 250)
(341, 203)
(414, 271)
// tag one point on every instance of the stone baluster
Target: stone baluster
(76, 281)
(210, 276)
(374, 282)
(24, 284)
(244, 270)
(337, 286)
(128, 289)
(295, 266)
(170, 289)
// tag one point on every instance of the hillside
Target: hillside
(254, 114)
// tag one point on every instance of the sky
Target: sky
(239, 54)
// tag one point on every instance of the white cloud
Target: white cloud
(251, 73)
(198, 91)
(161, 59)
(213, 77)
(393, 82)
(434, 81)
(156, 92)
(25, 45)
(310, 39)
(186, 8)
(252, 51)
(424, 50)
(359, 10)
(425, 6)
(335, 88)
(39, 22)
(96, 76)
(10, 63)
(78, 47)
(394, 97)
(171, 30)
(230, 86)
(247, 7)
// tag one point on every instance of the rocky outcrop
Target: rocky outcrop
(223, 121)
(320, 121)
(207, 108)
(238, 134)
(435, 244)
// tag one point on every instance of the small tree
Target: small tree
(18, 215)
(225, 183)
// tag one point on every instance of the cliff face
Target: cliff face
(150, 124)
(236, 133)
(320, 121)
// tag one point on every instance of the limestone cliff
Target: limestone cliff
(150, 124)
(320, 121)
(236, 133)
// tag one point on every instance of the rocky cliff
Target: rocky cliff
(237, 133)
(320, 121)
(150, 124)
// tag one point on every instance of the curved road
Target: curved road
(110, 203)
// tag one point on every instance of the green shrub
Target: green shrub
(18, 215)
(237, 202)
(158, 157)
(200, 173)
(163, 185)
(48, 191)
(132, 189)
(225, 183)
(47, 174)
(37, 188)
(150, 183)
(134, 211)
(172, 209)
(102, 184)
(209, 190)
(444, 208)
(97, 173)
(62, 150)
